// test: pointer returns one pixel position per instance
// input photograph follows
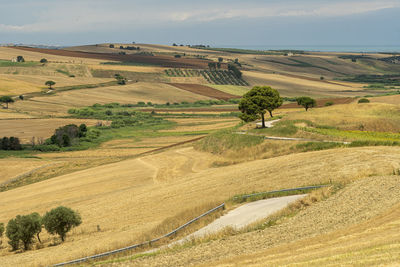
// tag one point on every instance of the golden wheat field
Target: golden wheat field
(25, 129)
(374, 116)
(155, 186)
(12, 167)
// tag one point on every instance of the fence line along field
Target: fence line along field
(155, 186)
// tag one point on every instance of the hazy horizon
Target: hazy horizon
(224, 23)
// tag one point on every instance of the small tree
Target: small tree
(363, 100)
(120, 79)
(28, 226)
(50, 84)
(306, 102)
(12, 233)
(220, 59)
(111, 46)
(20, 59)
(60, 221)
(6, 99)
(43, 61)
(257, 102)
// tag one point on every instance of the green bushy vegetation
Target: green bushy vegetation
(183, 104)
(9, 63)
(281, 128)
(388, 79)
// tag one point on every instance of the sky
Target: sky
(229, 23)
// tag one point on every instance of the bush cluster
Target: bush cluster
(10, 143)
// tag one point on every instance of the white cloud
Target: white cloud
(86, 16)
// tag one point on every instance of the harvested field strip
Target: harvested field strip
(204, 90)
(158, 60)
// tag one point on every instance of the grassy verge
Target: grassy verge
(364, 136)
(224, 140)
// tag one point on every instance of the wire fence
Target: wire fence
(279, 191)
(109, 253)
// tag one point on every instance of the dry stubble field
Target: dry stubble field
(149, 189)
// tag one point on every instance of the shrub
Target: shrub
(329, 103)
(64, 136)
(363, 100)
(11, 143)
(61, 220)
(20, 59)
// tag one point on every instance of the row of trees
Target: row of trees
(23, 229)
(263, 99)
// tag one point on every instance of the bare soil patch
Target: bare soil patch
(204, 90)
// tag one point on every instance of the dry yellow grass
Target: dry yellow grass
(131, 197)
(8, 114)
(392, 99)
(131, 93)
(12, 168)
(61, 80)
(25, 129)
(205, 126)
(9, 86)
(357, 225)
(291, 86)
(372, 117)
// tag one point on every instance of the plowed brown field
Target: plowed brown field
(204, 90)
(160, 60)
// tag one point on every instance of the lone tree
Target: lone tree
(257, 102)
(50, 84)
(60, 221)
(306, 102)
(43, 61)
(6, 99)
(20, 59)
